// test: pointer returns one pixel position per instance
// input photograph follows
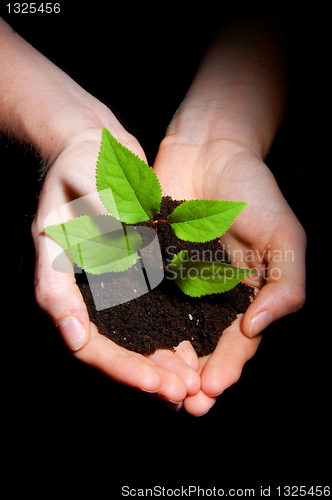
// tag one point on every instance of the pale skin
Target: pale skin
(214, 149)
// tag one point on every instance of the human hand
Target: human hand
(43, 107)
(266, 236)
(72, 176)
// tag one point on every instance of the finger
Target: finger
(130, 368)
(187, 353)
(172, 362)
(284, 292)
(199, 404)
(224, 367)
(118, 363)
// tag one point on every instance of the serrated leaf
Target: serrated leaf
(128, 187)
(204, 220)
(198, 278)
(97, 244)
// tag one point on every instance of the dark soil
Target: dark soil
(165, 316)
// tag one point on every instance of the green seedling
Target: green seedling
(130, 191)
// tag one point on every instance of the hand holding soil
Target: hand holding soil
(267, 236)
(181, 375)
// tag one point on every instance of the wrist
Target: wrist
(70, 117)
(240, 89)
(205, 123)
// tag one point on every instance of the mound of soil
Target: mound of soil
(165, 316)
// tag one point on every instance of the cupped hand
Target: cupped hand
(266, 236)
(72, 176)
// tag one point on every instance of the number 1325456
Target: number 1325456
(33, 8)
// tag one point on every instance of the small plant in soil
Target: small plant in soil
(130, 191)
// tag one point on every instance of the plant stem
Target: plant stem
(156, 222)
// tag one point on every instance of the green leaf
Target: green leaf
(204, 220)
(97, 244)
(198, 278)
(127, 186)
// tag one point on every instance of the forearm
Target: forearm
(240, 89)
(39, 103)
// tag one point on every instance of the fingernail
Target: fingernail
(215, 395)
(178, 406)
(259, 322)
(145, 390)
(72, 332)
(173, 405)
(202, 414)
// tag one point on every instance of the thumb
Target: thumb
(284, 291)
(58, 295)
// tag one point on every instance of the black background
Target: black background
(68, 425)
